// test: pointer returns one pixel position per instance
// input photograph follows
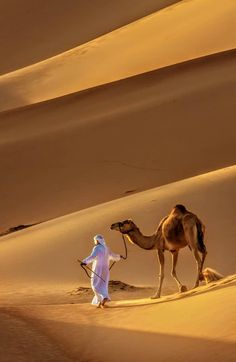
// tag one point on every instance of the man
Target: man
(100, 257)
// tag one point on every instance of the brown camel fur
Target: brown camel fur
(179, 229)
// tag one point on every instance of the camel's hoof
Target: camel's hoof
(183, 289)
(201, 277)
(155, 296)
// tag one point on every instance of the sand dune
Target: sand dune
(94, 146)
(173, 35)
(196, 326)
(38, 268)
(160, 330)
(47, 253)
(59, 25)
(124, 125)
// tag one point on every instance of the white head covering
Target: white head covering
(100, 239)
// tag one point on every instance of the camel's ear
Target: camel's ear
(127, 221)
(130, 221)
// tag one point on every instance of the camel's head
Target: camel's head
(124, 226)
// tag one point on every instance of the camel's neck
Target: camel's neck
(144, 242)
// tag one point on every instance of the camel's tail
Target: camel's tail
(200, 238)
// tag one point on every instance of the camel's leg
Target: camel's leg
(175, 254)
(204, 254)
(160, 255)
(190, 231)
(199, 264)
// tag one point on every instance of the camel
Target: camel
(179, 229)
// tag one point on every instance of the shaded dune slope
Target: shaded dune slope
(173, 35)
(100, 144)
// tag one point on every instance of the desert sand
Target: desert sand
(120, 138)
(129, 136)
(39, 272)
(169, 36)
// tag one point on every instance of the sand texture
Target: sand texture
(114, 110)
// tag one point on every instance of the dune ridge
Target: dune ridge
(97, 62)
(61, 25)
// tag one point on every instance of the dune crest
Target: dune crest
(61, 25)
(224, 282)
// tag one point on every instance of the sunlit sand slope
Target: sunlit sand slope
(52, 27)
(94, 146)
(47, 253)
(186, 30)
(199, 327)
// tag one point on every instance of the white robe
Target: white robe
(100, 257)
